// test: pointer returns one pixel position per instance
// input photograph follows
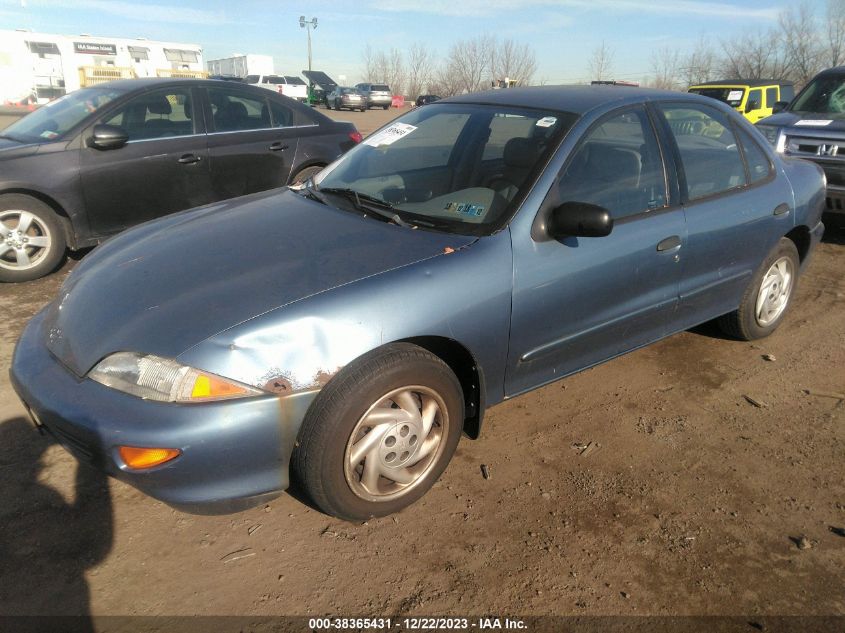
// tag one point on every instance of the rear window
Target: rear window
(274, 79)
(380, 88)
(731, 96)
(251, 79)
(294, 81)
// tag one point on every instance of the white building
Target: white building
(37, 67)
(242, 65)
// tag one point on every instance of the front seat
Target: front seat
(158, 105)
(520, 155)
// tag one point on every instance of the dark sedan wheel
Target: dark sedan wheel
(380, 433)
(305, 174)
(767, 297)
(32, 242)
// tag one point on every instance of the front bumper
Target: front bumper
(235, 453)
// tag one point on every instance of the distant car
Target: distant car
(348, 332)
(812, 126)
(754, 99)
(344, 97)
(102, 159)
(426, 99)
(376, 95)
(286, 85)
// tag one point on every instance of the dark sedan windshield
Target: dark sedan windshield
(452, 166)
(55, 119)
(823, 95)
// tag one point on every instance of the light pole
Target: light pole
(310, 24)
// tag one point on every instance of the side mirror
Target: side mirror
(751, 106)
(779, 106)
(108, 137)
(579, 219)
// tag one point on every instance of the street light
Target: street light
(310, 24)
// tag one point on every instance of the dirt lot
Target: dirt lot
(693, 503)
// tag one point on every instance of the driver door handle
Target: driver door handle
(277, 146)
(669, 243)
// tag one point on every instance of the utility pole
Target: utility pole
(310, 24)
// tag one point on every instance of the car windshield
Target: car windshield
(823, 95)
(456, 167)
(731, 96)
(53, 120)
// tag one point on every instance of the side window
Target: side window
(617, 166)
(709, 153)
(283, 116)
(155, 115)
(755, 100)
(771, 97)
(756, 159)
(232, 111)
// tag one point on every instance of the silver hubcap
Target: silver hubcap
(396, 443)
(24, 240)
(774, 292)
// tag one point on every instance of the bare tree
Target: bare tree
(369, 72)
(468, 64)
(756, 55)
(699, 65)
(800, 41)
(514, 61)
(600, 64)
(834, 51)
(666, 68)
(390, 68)
(420, 67)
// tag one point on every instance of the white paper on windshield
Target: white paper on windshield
(814, 122)
(735, 95)
(546, 121)
(390, 135)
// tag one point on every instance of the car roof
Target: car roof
(575, 99)
(152, 82)
(836, 70)
(745, 82)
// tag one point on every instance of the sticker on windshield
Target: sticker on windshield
(390, 135)
(734, 95)
(815, 122)
(546, 121)
(49, 134)
(465, 208)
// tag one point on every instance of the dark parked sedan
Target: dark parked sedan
(102, 159)
(348, 331)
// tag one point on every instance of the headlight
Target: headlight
(162, 379)
(770, 132)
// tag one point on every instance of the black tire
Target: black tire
(44, 226)
(743, 323)
(385, 107)
(319, 461)
(304, 174)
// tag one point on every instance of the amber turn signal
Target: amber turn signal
(137, 458)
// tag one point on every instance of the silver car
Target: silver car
(377, 95)
(342, 97)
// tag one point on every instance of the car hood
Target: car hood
(167, 285)
(789, 119)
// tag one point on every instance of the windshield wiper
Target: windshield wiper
(375, 206)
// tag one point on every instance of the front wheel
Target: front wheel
(385, 107)
(767, 297)
(32, 242)
(380, 433)
(304, 174)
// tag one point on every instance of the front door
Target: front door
(162, 169)
(581, 300)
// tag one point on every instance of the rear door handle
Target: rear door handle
(190, 159)
(277, 146)
(781, 209)
(669, 243)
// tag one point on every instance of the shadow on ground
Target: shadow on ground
(46, 542)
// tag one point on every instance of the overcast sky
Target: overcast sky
(563, 32)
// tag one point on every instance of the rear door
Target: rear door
(252, 140)
(735, 208)
(162, 169)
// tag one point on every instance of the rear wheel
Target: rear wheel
(380, 433)
(767, 297)
(385, 107)
(32, 242)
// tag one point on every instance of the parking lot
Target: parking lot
(699, 475)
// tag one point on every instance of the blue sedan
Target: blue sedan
(346, 332)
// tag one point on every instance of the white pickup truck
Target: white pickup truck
(290, 86)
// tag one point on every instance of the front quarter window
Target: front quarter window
(456, 167)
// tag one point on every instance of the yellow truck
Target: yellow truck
(754, 99)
